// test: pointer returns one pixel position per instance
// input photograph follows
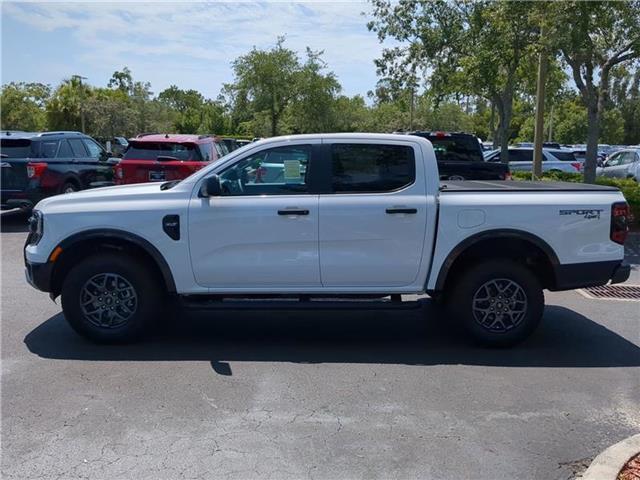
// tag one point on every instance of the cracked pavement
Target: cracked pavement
(316, 395)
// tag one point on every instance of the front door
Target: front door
(262, 233)
(372, 224)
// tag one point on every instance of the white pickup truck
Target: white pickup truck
(349, 221)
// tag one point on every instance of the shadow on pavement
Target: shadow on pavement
(564, 339)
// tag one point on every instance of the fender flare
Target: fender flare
(501, 233)
(112, 233)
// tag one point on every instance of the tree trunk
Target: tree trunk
(492, 126)
(593, 132)
(274, 123)
(504, 114)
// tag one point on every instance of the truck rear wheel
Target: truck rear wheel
(110, 298)
(499, 303)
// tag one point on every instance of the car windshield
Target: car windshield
(456, 148)
(15, 148)
(153, 150)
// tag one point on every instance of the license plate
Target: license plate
(156, 176)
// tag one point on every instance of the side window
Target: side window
(628, 158)
(94, 149)
(360, 168)
(65, 150)
(218, 149)
(275, 171)
(77, 147)
(48, 148)
(614, 160)
(205, 151)
(525, 155)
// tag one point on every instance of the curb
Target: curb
(608, 464)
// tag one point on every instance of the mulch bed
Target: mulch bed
(631, 471)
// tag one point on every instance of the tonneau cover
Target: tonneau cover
(518, 186)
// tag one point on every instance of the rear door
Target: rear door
(373, 220)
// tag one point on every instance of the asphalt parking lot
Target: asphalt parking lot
(313, 394)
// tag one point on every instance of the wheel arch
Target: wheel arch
(72, 178)
(501, 243)
(80, 245)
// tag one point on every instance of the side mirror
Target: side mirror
(211, 187)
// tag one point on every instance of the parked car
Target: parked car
(353, 215)
(38, 165)
(581, 155)
(622, 164)
(460, 157)
(553, 160)
(154, 157)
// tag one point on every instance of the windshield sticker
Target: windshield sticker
(292, 171)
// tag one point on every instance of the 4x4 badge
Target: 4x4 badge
(586, 213)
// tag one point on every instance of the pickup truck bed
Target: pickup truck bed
(519, 186)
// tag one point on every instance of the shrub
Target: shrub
(629, 188)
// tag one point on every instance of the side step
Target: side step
(303, 302)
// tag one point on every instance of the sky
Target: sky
(188, 44)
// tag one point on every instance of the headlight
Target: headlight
(36, 225)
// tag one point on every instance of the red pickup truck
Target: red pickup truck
(160, 157)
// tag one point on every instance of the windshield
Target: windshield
(458, 148)
(153, 150)
(15, 148)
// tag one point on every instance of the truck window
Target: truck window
(359, 168)
(275, 171)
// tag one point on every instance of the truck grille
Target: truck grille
(613, 292)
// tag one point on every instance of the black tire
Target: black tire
(484, 320)
(132, 301)
(69, 187)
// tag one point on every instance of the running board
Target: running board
(297, 303)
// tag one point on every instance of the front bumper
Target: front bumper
(39, 275)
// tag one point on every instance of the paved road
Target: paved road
(312, 395)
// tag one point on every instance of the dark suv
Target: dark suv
(38, 165)
(460, 157)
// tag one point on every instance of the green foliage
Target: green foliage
(22, 106)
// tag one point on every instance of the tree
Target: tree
(63, 108)
(597, 37)
(22, 106)
(471, 48)
(625, 96)
(267, 80)
(312, 108)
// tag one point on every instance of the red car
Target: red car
(159, 157)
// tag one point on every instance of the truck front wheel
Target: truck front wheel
(110, 298)
(499, 302)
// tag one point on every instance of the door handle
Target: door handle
(293, 212)
(393, 211)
